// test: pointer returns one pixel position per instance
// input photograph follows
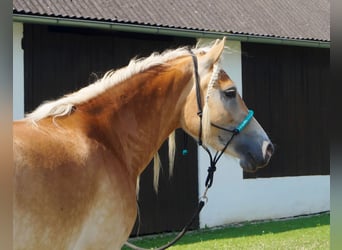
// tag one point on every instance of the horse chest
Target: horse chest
(109, 222)
(73, 209)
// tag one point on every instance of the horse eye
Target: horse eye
(230, 93)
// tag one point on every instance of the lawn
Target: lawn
(308, 232)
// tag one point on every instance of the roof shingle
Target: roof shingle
(304, 19)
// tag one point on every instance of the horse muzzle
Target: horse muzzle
(253, 158)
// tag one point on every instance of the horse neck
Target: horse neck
(133, 118)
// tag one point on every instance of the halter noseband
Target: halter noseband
(235, 131)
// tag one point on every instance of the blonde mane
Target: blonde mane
(64, 105)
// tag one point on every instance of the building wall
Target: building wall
(235, 199)
(231, 198)
(283, 85)
(18, 72)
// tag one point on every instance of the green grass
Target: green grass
(310, 232)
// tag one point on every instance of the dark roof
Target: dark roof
(295, 19)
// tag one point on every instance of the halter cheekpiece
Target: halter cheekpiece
(235, 131)
(213, 160)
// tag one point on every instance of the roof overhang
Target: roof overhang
(158, 30)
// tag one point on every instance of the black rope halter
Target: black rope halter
(213, 160)
(235, 131)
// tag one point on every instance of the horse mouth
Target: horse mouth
(249, 162)
(250, 165)
(247, 166)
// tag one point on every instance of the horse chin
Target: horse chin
(247, 166)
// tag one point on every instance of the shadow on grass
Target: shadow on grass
(243, 230)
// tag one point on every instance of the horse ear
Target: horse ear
(212, 56)
(215, 52)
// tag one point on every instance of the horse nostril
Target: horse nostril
(269, 151)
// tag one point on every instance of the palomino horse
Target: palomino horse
(78, 158)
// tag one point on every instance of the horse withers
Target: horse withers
(77, 159)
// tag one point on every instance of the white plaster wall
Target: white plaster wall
(18, 72)
(234, 199)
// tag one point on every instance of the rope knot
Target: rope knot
(236, 131)
(210, 177)
(211, 169)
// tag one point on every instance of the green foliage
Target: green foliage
(312, 232)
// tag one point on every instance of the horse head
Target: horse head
(222, 113)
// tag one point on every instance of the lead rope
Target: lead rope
(209, 180)
(179, 236)
(213, 160)
(202, 202)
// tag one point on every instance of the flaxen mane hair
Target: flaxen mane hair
(64, 105)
